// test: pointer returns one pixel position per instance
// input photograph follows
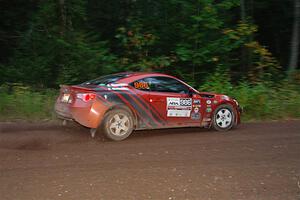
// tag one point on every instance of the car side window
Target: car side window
(166, 84)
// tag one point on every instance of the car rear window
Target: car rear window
(104, 80)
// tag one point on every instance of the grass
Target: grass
(26, 104)
(260, 101)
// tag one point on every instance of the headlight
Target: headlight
(224, 97)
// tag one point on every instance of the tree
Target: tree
(57, 48)
(294, 53)
(67, 41)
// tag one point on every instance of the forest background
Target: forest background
(248, 49)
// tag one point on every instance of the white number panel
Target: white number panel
(179, 107)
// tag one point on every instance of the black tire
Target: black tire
(117, 124)
(223, 118)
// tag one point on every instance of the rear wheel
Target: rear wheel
(118, 124)
(223, 118)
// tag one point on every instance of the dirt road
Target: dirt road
(255, 161)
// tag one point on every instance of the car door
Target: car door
(173, 101)
(139, 94)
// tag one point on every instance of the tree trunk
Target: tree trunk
(244, 59)
(243, 11)
(294, 54)
(63, 17)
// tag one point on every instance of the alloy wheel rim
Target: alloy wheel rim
(224, 118)
(119, 124)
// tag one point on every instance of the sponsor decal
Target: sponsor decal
(195, 114)
(118, 88)
(186, 102)
(196, 102)
(208, 102)
(117, 85)
(141, 85)
(173, 101)
(208, 110)
(215, 102)
(179, 107)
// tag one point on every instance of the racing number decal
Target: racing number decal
(141, 85)
(179, 107)
(186, 102)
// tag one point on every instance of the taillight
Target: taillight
(86, 96)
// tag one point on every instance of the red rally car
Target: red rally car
(119, 103)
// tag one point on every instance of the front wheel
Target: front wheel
(118, 124)
(223, 118)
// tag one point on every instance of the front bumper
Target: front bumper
(240, 109)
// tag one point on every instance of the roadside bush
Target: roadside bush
(21, 102)
(260, 101)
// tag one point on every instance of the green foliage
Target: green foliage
(218, 82)
(21, 102)
(137, 50)
(81, 61)
(203, 45)
(260, 101)
(265, 66)
(59, 51)
(186, 38)
(47, 43)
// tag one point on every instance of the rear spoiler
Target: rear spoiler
(75, 88)
(112, 86)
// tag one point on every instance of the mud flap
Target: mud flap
(93, 132)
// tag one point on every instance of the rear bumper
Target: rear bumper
(89, 115)
(63, 117)
(63, 110)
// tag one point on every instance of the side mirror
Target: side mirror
(191, 92)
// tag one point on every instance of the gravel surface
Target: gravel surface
(254, 161)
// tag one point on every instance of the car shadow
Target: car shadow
(141, 134)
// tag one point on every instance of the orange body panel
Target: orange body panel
(89, 115)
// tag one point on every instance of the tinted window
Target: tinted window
(104, 80)
(166, 84)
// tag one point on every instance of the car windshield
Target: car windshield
(104, 80)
